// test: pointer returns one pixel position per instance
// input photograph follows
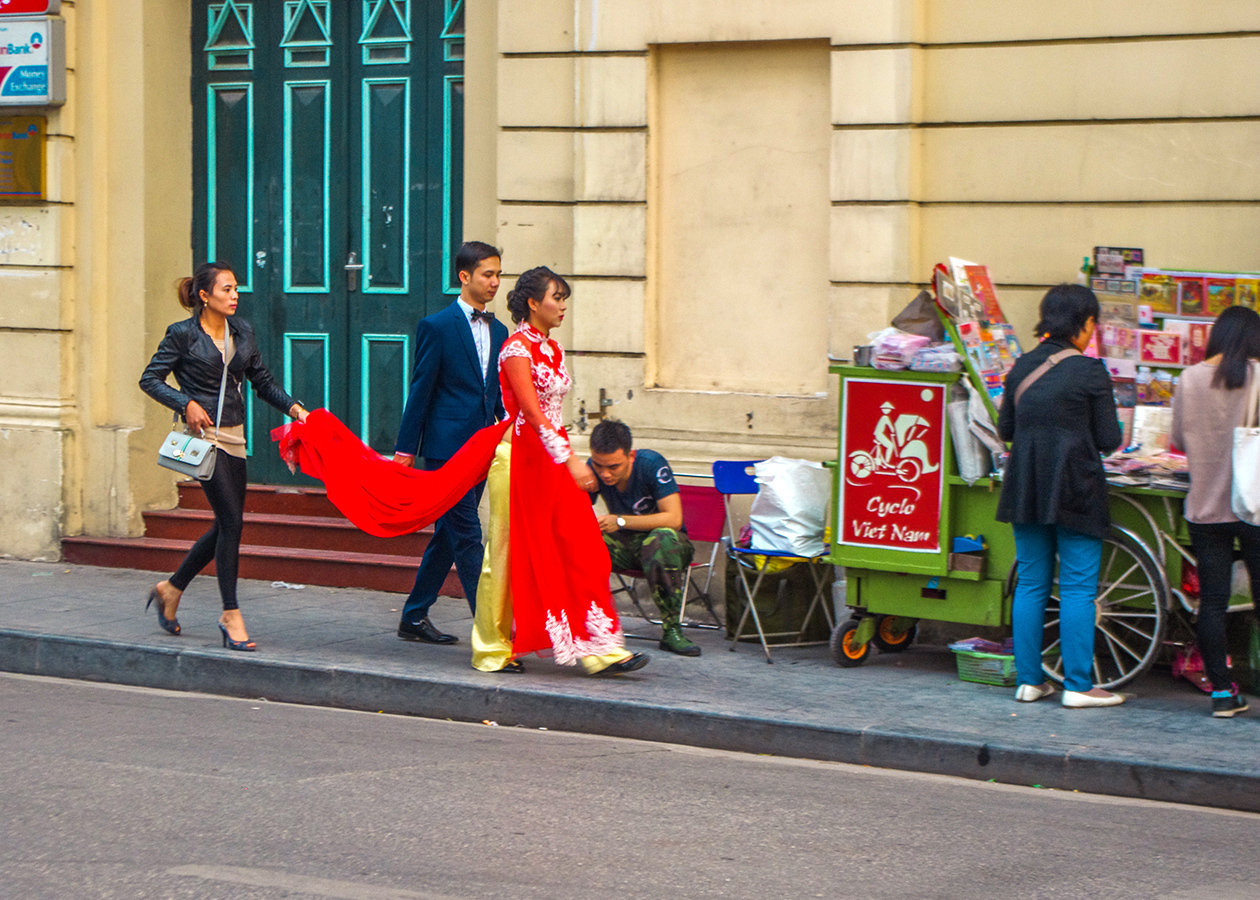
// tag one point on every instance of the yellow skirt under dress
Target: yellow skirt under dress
(492, 623)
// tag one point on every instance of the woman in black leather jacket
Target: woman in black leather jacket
(193, 350)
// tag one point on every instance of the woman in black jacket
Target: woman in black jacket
(194, 350)
(1054, 492)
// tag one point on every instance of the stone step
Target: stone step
(325, 533)
(370, 571)
(273, 499)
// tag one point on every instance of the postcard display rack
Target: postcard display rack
(918, 542)
(1155, 322)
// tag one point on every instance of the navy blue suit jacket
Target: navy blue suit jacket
(450, 398)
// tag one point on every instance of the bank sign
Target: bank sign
(32, 61)
(891, 457)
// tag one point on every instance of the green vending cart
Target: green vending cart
(899, 505)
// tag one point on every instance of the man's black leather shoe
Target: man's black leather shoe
(425, 632)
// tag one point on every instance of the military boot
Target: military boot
(672, 640)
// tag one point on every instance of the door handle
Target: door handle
(353, 267)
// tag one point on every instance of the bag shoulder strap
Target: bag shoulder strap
(1251, 410)
(229, 350)
(1042, 369)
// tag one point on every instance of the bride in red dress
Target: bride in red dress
(544, 582)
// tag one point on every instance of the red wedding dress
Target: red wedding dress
(554, 598)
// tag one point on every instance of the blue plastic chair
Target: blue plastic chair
(732, 477)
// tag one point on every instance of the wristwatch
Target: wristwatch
(621, 521)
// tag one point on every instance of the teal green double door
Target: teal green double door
(328, 145)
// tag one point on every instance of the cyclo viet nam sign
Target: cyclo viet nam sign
(891, 457)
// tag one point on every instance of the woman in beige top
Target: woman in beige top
(196, 350)
(1208, 405)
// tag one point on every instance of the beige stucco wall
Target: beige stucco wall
(739, 199)
(1015, 133)
(1012, 132)
(481, 57)
(79, 275)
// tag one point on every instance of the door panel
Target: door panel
(306, 368)
(328, 140)
(230, 174)
(385, 377)
(386, 156)
(307, 164)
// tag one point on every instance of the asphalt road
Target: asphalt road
(131, 793)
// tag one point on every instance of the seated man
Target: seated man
(644, 526)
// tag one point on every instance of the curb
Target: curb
(114, 662)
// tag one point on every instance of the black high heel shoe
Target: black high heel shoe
(246, 645)
(171, 626)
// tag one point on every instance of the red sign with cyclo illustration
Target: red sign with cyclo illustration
(892, 447)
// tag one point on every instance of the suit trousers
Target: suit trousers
(456, 539)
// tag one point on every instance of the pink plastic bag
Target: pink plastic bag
(893, 349)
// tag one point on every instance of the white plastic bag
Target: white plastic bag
(970, 452)
(789, 512)
(981, 422)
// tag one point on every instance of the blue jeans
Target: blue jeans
(1080, 557)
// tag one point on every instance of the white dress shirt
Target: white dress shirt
(480, 333)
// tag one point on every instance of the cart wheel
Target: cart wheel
(888, 639)
(844, 650)
(1129, 620)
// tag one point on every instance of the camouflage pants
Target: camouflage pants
(664, 556)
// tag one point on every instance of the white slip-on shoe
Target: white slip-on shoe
(1082, 700)
(1027, 693)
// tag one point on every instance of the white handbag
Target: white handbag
(186, 453)
(1245, 494)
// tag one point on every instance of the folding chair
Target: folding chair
(704, 515)
(732, 477)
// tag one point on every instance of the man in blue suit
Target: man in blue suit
(454, 393)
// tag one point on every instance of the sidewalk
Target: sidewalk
(337, 647)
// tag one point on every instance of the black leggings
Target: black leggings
(222, 543)
(1213, 546)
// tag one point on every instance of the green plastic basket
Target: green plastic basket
(986, 668)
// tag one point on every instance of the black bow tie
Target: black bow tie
(482, 314)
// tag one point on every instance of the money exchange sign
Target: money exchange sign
(32, 61)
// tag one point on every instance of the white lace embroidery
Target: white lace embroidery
(555, 444)
(513, 348)
(603, 636)
(551, 382)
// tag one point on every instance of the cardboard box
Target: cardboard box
(966, 562)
